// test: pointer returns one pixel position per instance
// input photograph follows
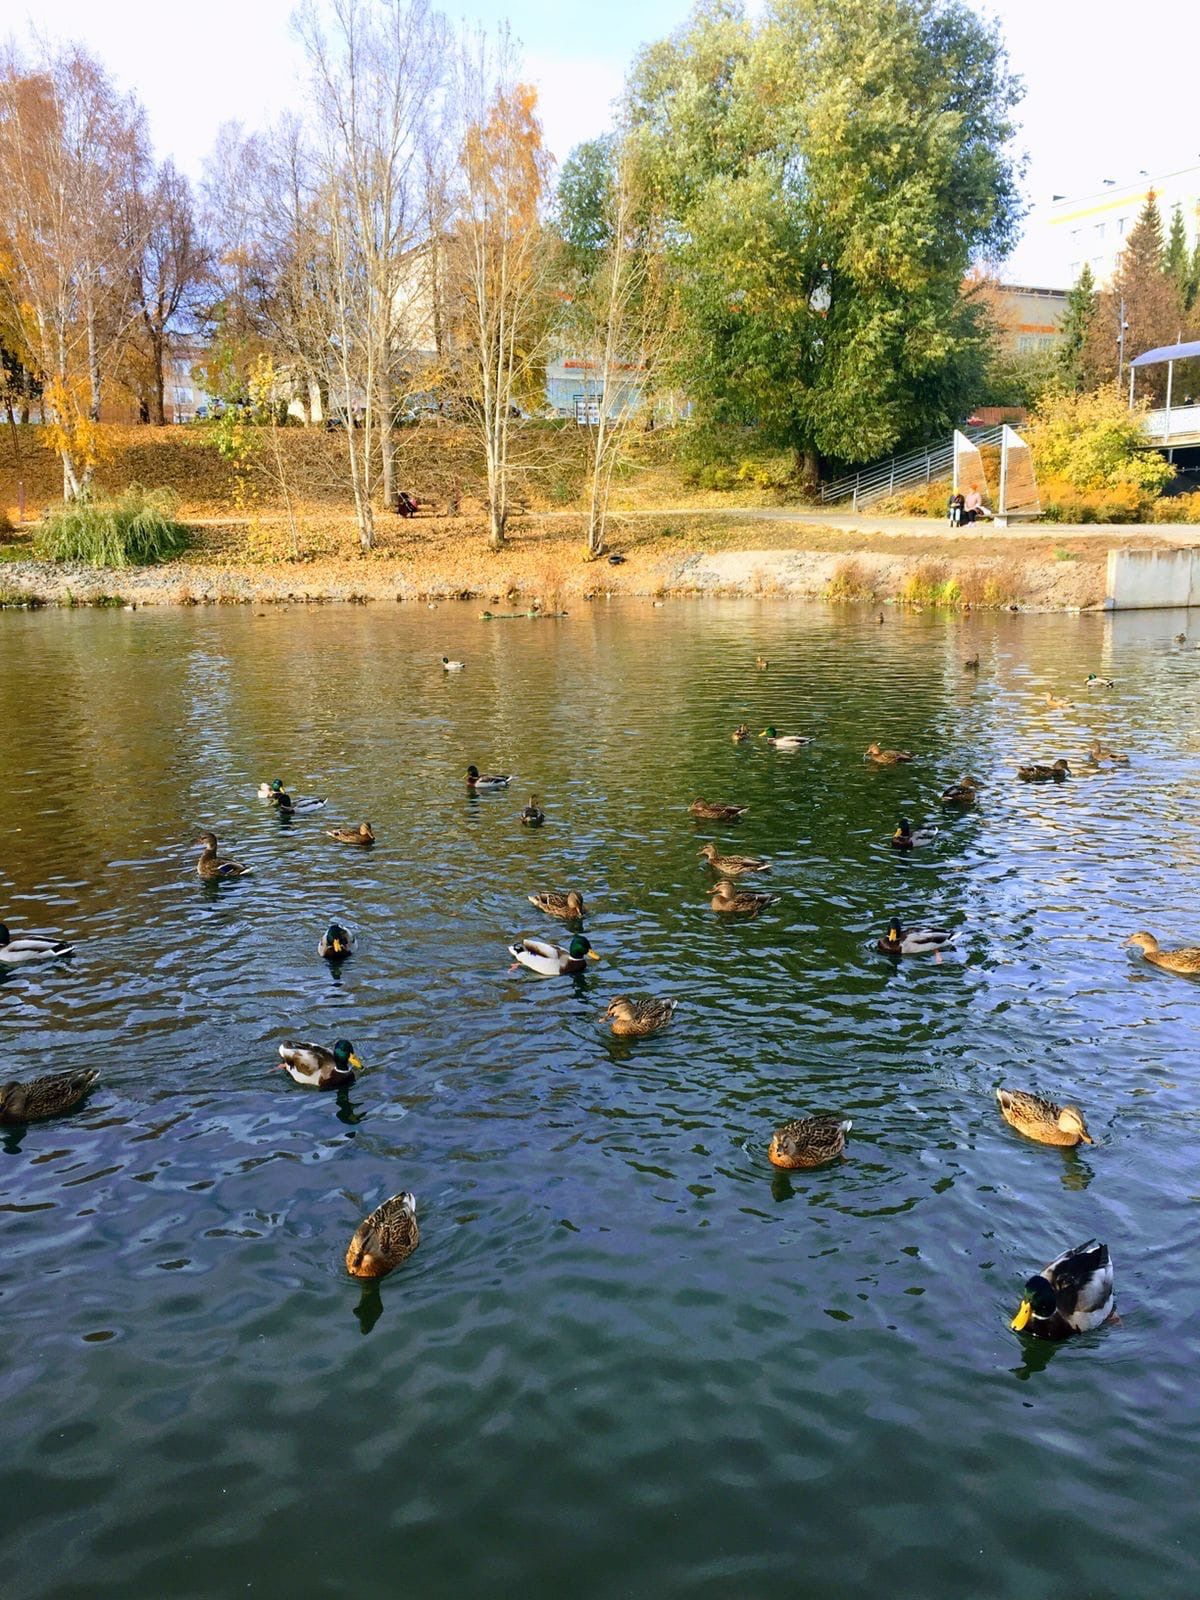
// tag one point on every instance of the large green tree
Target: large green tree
(1077, 322)
(829, 173)
(1144, 302)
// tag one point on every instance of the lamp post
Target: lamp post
(1121, 326)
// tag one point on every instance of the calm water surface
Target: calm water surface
(629, 1358)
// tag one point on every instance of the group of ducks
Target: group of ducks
(1071, 1295)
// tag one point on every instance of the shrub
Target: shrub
(1120, 502)
(850, 581)
(1178, 508)
(137, 529)
(928, 584)
(1093, 441)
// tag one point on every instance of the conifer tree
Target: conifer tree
(1076, 326)
(1176, 258)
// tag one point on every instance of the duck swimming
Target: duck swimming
(1043, 1120)
(385, 1238)
(29, 947)
(316, 1067)
(551, 960)
(710, 811)
(808, 1142)
(962, 793)
(1039, 772)
(336, 942)
(785, 741)
(1185, 961)
(887, 758)
(732, 866)
(452, 666)
(635, 1018)
(211, 868)
(362, 836)
(569, 907)
(1095, 681)
(901, 941)
(497, 781)
(1097, 753)
(1074, 1294)
(740, 734)
(44, 1097)
(532, 815)
(739, 902)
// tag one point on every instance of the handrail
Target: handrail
(898, 472)
(1165, 424)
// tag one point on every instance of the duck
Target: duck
(785, 741)
(905, 839)
(569, 907)
(1095, 681)
(901, 941)
(761, 663)
(1039, 772)
(385, 1238)
(732, 866)
(711, 811)
(363, 835)
(1185, 961)
(971, 664)
(1097, 753)
(1041, 1119)
(317, 1067)
(500, 780)
(1074, 1294)
(739, 902)
(886, 758)
(289, 807)
(1057, 703)
(1181, 638)
(44, 1097)
(532, 815)
(268, 791)
(30, 947)
(551, 960)
(452, 666)
(213, 870)
(808, 1142)
(963, 793)
(336, 942)
(635, 1018)
(740, 734)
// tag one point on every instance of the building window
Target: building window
(1074, 269)
(1099, 230)
(1122, 223)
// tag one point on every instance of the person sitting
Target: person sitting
(955, 509)
(973, 507)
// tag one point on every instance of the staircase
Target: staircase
(871, 483)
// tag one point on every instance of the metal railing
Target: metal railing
(900, 472)
(1179, 421)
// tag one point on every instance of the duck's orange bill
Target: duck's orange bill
(592, 956)
(1022, 1317)
(356, 1063)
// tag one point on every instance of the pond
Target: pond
(630, 1357)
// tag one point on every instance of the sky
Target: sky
(1109, 92)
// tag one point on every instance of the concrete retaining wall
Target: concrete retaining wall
(1158, 580)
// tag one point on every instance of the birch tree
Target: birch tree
(498, 259)
(377, 69)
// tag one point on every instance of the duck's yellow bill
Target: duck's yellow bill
(355, 1062)
(592, 956)
(1022, 1317)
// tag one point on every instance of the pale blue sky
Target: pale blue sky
(1110, 90)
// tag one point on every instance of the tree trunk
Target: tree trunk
(809, 462)
(93, 355)
(387, 440)
(157, 343)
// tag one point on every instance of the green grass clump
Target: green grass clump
(135, 530)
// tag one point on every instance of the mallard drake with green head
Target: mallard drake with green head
(336, 943)
(317, 1067)
(499, 780)
(732, 866)
(808, 1142)
(551, 960)
(887, 758)
(363, 835)
(1043, 1120)
(1185, 961)
(1039, 772)
(1074, 1294)
(963, 793)
(1095, 681)
(211, 868)
(288, 806)
(27, 948)
(567, 907)
(385, 1238)
(452, 666)
(712, 811)
(785, 741)
(44, 1097)
(731, 901)
(903, 838)
(902, 941)
(634, 1018)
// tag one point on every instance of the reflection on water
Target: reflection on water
(629, 1355)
